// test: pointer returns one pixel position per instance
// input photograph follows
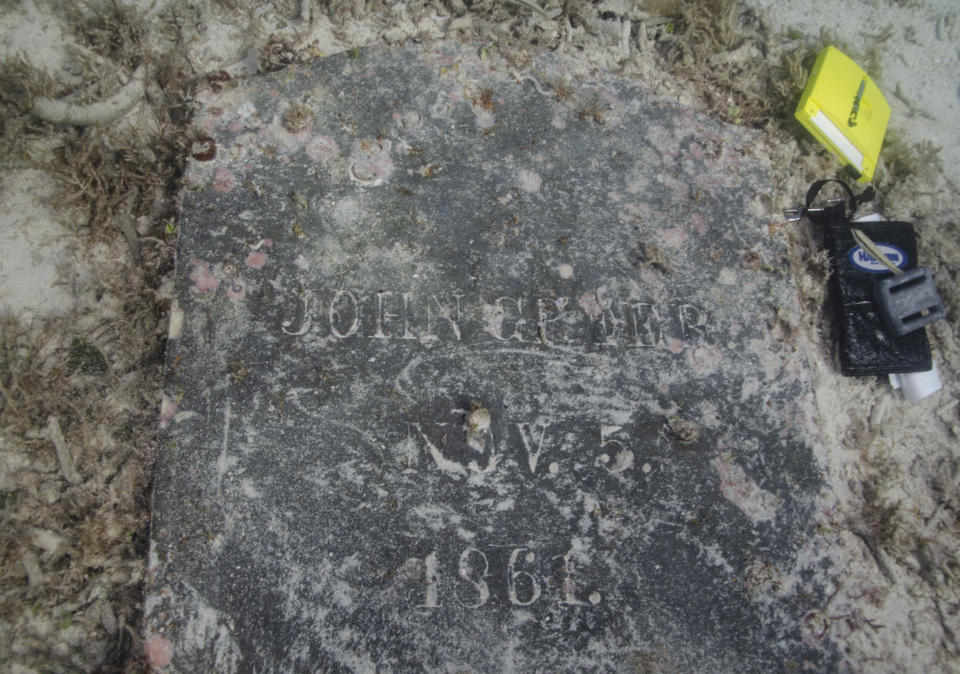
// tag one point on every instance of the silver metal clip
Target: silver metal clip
(797, 213)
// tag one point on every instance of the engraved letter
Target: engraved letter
(542, 321)
(304, 315)
(495, 318)
(607, 326)
(407, 332)
(335, 314)
(381, 316)
(646, 324)
(443, 463)
(526, 435)
(691, 318)
(444, 313)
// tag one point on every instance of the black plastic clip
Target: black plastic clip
(909, 301)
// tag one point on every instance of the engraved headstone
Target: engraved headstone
(479, 366)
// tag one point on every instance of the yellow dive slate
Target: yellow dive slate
(845, 111)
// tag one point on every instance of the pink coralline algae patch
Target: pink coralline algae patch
(282, 141)
(738, 488)
(223, 180)
(588, 302)
(798, 415)
(698, 223)
(159, 651)
(322, 149)
(678, 188)
(370, 162)
(203, 279)
(256, 259)
(208, 124)
(663, 140)
(246, 114)
(633, 214)
(704, 359)
(168, 407)
(710, 183)
(674, 237)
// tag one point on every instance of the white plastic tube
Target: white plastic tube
(917, 385)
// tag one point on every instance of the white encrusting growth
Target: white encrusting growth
(62, 112)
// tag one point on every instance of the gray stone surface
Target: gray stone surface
(479, 368)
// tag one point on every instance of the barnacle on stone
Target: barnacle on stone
(476, 425)
(298, 117)
(684, 431)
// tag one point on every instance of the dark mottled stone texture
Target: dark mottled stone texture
(480, 370)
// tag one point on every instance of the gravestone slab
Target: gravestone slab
(479, 366)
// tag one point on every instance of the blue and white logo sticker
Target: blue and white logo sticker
(863, 260)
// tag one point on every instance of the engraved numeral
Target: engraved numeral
(475, 576)
(523, 587)
(432, 582)
(515, 577)
(569, 585)
(618, 462)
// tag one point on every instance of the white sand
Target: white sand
(896, 607)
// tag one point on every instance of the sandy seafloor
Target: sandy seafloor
(890, 517)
